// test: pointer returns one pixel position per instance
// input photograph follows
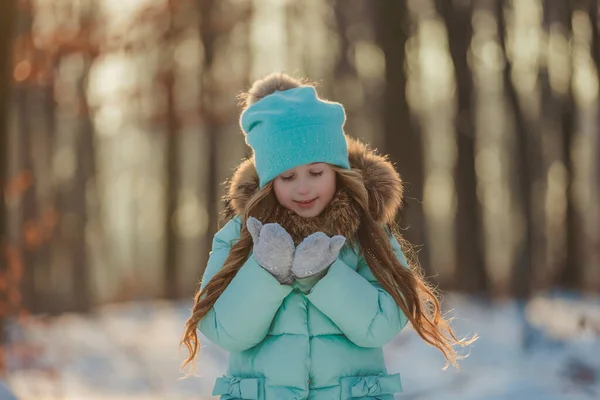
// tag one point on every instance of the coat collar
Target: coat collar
(341, 217)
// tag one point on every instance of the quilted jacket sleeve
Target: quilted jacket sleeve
(357, 304)
(242, 315)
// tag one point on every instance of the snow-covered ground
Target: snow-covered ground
(546, 349)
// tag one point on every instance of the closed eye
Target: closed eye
(316, 173)
(287, 178)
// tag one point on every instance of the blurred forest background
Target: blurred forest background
(119, 123)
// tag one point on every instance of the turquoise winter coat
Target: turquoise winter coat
(286, 345)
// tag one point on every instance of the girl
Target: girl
(306, 282)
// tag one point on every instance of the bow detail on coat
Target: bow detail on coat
(376, 387)
(232, 388)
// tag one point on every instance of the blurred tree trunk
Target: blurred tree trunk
(343, 65)
(7, 18)
(571, 268)
(28, 205)
(173, 178)
(344, 74)
(71, 199)
(45, 170)
(402, 139)
(73, 238)
(558, 110)
(360, 92)
(524, 144)
(471, 272)
(548, 123)
(82, 183)
(43, 153)
(172, 191)
(25, 101)
(208, 37)
(594, 15)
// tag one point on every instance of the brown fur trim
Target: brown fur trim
(340, 217)
(382, 182)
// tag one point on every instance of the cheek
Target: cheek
(328, 187)
(277, 190)
(281, 193)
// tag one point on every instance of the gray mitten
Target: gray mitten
(315, 254)
(273, 249)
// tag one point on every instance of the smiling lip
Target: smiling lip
(306, 204)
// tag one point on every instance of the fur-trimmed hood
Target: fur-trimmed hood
(382, 181)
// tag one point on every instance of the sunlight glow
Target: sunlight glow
(150, 206)
(585, 77)
(127, 7)
(525, 40)
(439, 194)
(369, 60)
(435, 62)
(109, 119)
(487, 164)
(190, 218)
(558, 60)
(431, 91)
(556, 196)
(112, 73)
(64, 164)
(268, 37)
(501, 218)
(189, 53)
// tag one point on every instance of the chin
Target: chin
(308, 213)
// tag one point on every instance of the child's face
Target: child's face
(306, 189)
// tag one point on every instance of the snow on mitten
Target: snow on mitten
(273, 249)
(315, 254)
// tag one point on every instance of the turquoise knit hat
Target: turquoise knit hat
(294, 127)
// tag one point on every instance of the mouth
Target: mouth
(306, 203)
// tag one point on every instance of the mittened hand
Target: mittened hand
(315, 254)
(273, 249)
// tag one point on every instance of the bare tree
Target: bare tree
(571, 267)
(558, 110)
(343, 66)
(28, 205)
(84, 179)
(25, 100)
(208, 36)
(471, 274)
(402, 139)
(173, 173)
(72, 196)
(594, 15)
(522, 269)
(7, 18)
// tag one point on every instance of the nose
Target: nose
(303, 187)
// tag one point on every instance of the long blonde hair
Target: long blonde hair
(415, 297)
(413, 294)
